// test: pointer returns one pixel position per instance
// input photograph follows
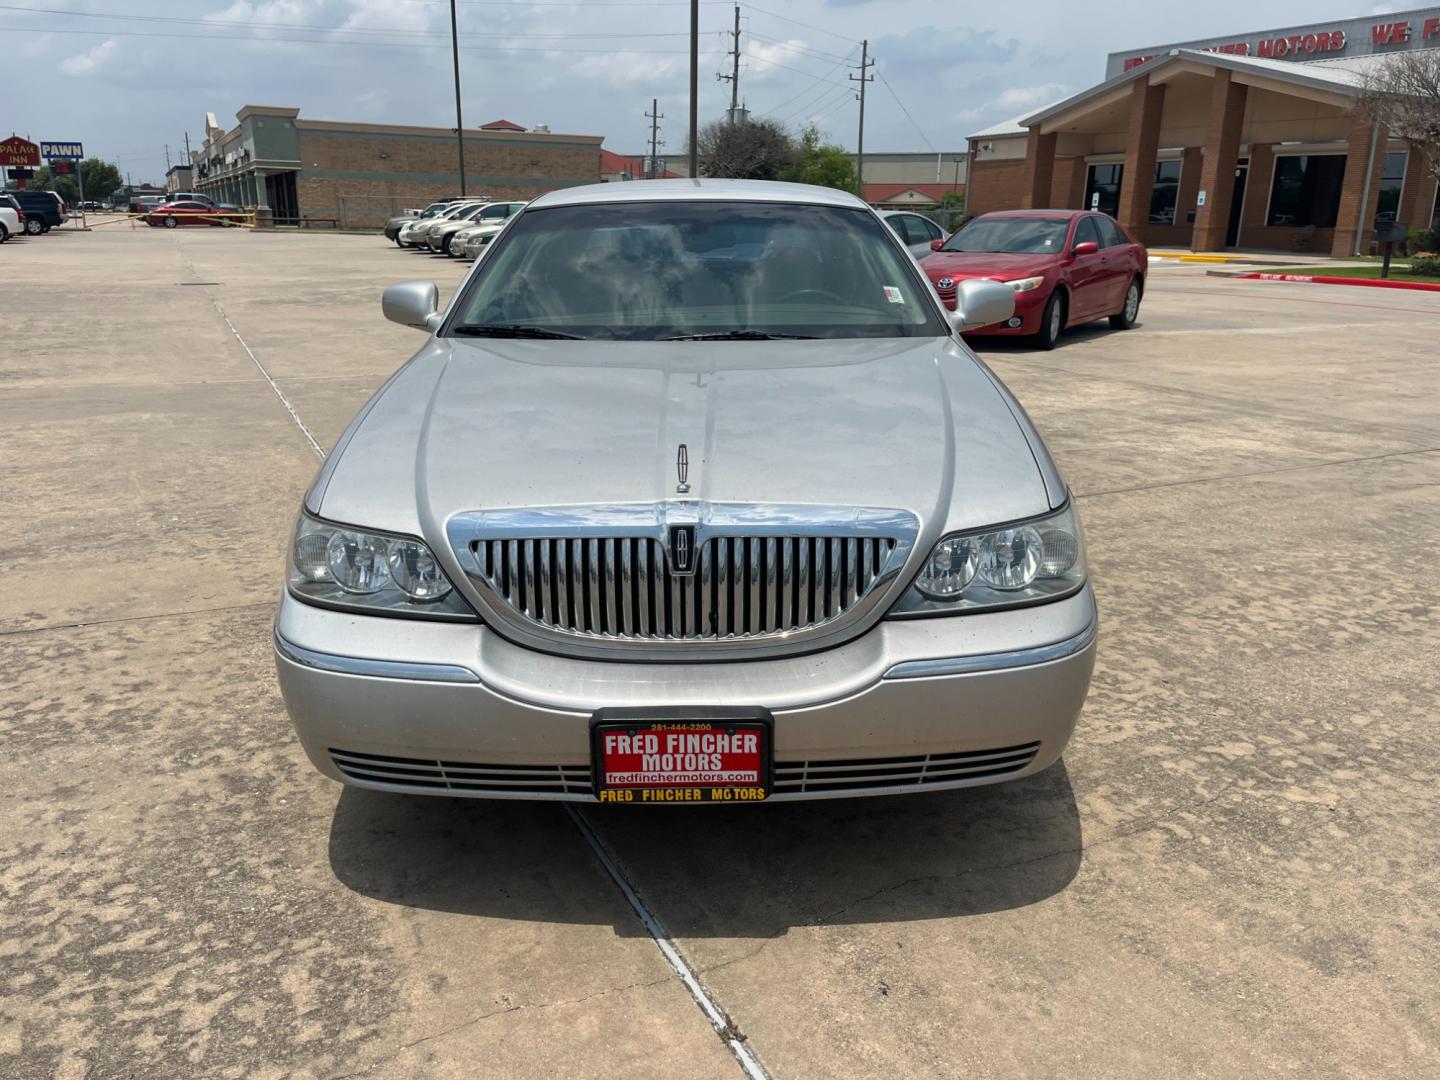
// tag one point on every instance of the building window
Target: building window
(1306, 190)
(1102, 191)
(1165, 195)
(1393, 180)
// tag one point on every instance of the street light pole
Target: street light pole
(694, 88)
(459, 123)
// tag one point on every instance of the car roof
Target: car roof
(1037, 213)
(688, 190)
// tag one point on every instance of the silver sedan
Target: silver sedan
(693, 494)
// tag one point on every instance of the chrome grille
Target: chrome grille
(857, 774)
(622, 586)
(464, 776)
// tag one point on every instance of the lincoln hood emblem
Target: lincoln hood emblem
(682, 470)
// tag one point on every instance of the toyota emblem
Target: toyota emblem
(945, 283)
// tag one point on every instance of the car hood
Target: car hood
(962, 265)
(909, 424)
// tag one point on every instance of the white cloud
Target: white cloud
(630, 69)
(91, 60)
(1022, 97)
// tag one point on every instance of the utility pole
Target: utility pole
(865, 64)
(734, 77)
(694, 88)
(167, 158)
(459, 122)
(655, 116)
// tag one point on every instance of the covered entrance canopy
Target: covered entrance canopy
(1208, 151)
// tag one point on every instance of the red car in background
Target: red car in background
(1067, 267)
(189, 212)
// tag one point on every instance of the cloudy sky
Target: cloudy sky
(127, 78)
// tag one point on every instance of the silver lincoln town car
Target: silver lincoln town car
(693, 494)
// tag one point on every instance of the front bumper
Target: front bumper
(922, 704)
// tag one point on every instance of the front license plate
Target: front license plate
(687, 758)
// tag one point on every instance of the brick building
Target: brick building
(360, 174)
(1246, 141)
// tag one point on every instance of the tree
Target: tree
(820, 163)
(953, 200)
(1403, 95)
(746, 150)
(101, 178)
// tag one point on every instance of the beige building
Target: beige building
(349, 174)
(1248, 141)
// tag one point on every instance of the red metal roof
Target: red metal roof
(611, 162)
(879, 193)
(501, 125)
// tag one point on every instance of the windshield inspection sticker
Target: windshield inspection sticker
(893, 295)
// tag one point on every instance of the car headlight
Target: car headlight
(1024, 562)
(1026, 284)
(377, 573)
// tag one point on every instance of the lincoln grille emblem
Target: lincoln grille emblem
(682, 549)
(682, 469)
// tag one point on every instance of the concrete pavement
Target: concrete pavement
(1233, 871)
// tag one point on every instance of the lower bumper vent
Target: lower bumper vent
(423, 774)
(860, 773)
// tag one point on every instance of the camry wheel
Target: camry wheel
(34, 226)
(1051, 322)
(1131, 311)
(170, 221)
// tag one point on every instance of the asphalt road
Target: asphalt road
(1233, 872)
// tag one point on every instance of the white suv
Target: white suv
(11, 217)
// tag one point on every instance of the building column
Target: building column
(1039, 168)
(1257, 191)
(1142, 140)
(1355, 220)
(1192, 161)
(1217, 173)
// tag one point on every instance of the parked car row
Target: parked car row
(460, 228)
(32, 212)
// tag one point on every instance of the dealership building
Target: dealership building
(1244, 141)
(300, 171)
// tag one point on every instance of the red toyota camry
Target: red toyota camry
(1067, 267)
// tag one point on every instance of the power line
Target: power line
(886, 83)
(797, 22)
(799, 71)
(350, 45)
(803, 49)
(809, 89)
(300, 28)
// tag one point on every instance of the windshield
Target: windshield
(1011, 235)
(647, 271)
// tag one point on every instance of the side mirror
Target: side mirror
(936, 245)
(981, 302)
(412, 303)
(1085, 247)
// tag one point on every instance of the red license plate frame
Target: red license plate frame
(672, 756)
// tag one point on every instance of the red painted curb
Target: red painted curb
(1318, 279)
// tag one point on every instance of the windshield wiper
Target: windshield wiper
(741, 335)
(511, 330)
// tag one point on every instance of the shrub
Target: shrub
(1428, 264)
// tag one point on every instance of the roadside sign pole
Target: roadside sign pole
(80, 180)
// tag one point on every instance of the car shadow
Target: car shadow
(733, 872)
(996, 345)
